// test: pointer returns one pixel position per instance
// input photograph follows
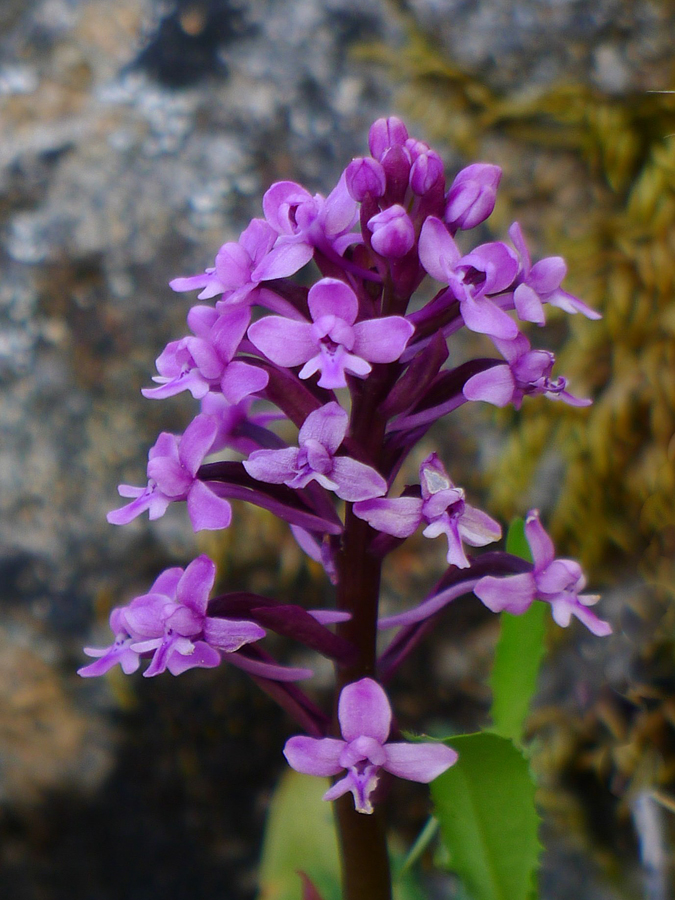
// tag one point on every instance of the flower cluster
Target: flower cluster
(362, 375)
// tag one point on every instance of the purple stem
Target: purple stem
(364, 855)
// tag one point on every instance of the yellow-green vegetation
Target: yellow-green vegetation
(591, 177)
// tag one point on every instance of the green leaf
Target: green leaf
(518, 654)
(489, 823)
(299, 836)
(516, 542)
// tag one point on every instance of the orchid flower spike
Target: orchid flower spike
(364, 714)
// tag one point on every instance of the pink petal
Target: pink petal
(541, 545)
(327, 425)
(437, 250)
(419, 762)
(399, 516)
(382, 340)
(495, 385)
(333, 297)
(231, 634)
(195, 584)
(197, 441)
(283, 261)
(202, 657)
(314, 756)
(206, 510)
(356, 481)
(272, 466)
(285, 341)
(528, 305)
(363, 709)
(514, 593)
(241, 380)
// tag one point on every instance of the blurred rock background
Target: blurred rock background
(136, 138)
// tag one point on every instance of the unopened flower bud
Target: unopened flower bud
(426, 171)
(471, 197)
(396, 163)
(393, 232)
(415, 148)
(365, 176)
(386, 133)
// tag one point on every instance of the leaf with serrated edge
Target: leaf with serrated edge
(485, 805)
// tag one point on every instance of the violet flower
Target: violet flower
(241, 266)
(172, 475)
(540, 283)
(314, 459)
(364, 714)
(555, 581)
(206, 362)
(333, 343)
(306, 222)
(441, 506)
(488, 269)
(170, 621)
(526, 372)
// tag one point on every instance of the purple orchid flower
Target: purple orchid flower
(526, 372)
(333, 343)
(306, 222)
(241, 266)
(172, 475)
(314, 459)
(472, 195)
(540, 283)
(555, 581)
(364, 714)
(170, 621)
(206, 362)
(489, 269)
(441, 506)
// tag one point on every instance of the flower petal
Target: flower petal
(419, 762)
(231, 634)
(195, 584)
(382, 340)
(206, 510)
(327, 425)
(286, 342)
(363, 709)
(355, 480)
(514, 593)
(314, 756)
(399, 516)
